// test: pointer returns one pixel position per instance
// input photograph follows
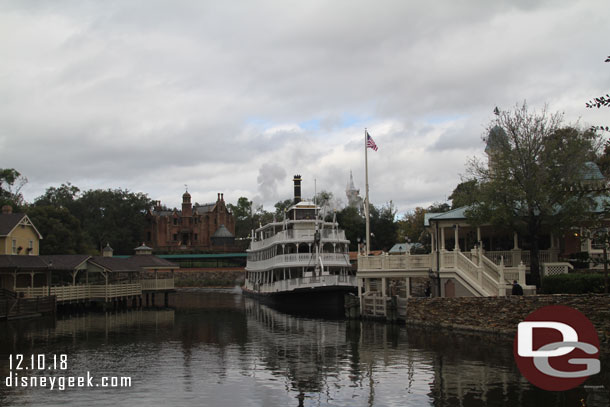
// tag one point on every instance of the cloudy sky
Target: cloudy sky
(238, 96)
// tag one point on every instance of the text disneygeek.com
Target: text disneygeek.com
(20, 363)
(66, 382)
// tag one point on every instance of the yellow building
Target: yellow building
(18, 235)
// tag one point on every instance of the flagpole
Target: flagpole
(366, 201)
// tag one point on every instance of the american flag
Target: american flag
(370, 143)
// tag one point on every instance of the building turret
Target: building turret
(107, 251)
(143, 250)
(187, 207)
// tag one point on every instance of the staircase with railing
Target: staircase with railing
(480, 275)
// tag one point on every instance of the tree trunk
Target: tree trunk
(605, 268)
(534, 262)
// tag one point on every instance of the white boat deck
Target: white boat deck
(302, 283)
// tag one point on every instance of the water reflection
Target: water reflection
(218, 348)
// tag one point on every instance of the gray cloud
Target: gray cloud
(149, 95)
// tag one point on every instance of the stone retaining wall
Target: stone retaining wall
(209, 278)
(500, 315)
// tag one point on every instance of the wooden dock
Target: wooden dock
(14, 307)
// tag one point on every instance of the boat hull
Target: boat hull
(320, 302)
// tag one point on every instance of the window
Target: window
(597, 243)
(14, 246)
(195, 236)
(175, 237)
(31, 247)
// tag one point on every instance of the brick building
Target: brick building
(194, 229)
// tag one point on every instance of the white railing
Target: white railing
(158, 284)
(512, 258)
(298, 236)
(300, 259)
(114, 290)
(491, 269)
(505, 257)
(468, 267)
(481, 273)
(374, 305)
(395, 262)
(551, 269)
(448, 259)
(83, 292)
(304, 282)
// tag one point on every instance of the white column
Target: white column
(442, 238)
(457, 238)
(516, 241)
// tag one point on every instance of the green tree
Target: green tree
(261, 217)
(63, 196)
(534, 178)
(242, 213)
(62, 232)
(410, 227)
(11, 182)
(438, 207)
(603, 161)
(115, 216)
(281, 207)
(352, 222)
(383, 227)
(464, 194)
(602, 101)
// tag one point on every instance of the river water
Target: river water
(218, 348)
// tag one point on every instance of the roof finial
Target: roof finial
(186, 187)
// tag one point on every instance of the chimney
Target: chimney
(297, 189)
(6, 209)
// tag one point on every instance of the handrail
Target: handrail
(7, 293)
(301, 236)
(83, 292)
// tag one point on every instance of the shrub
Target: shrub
(573, 283)
(580, 260)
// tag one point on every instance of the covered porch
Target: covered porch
(451, 231)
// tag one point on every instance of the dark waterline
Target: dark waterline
(218, 348)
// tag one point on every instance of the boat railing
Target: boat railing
(307, 282)
(300, 259)
(297, 235)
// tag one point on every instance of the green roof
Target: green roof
(194, 256)
(202, 256)
(457, 213)
(591, 172)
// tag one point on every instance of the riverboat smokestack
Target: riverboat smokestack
(297, 189)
